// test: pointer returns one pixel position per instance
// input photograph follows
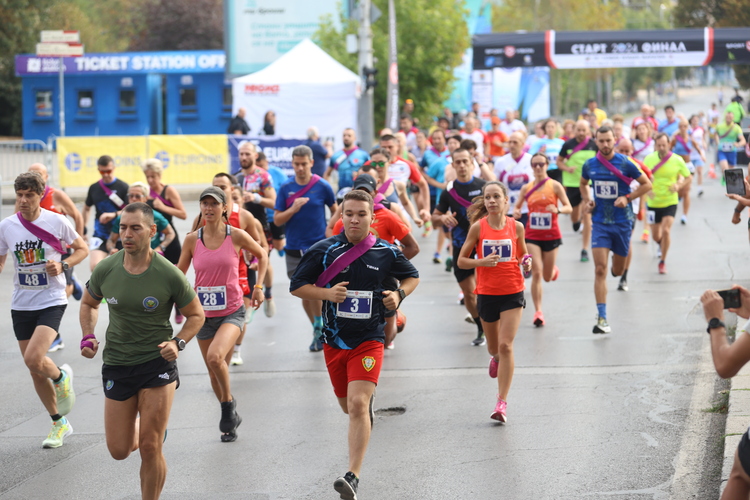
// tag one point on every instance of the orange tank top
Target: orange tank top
(541, 224)
(505, 278)
(47, 202)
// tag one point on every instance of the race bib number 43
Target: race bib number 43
(605, 189)
(356, 305)
(213, 298)
(33, 278)
(503, 248)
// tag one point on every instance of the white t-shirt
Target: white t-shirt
(34, 288)
(476, 136)
(697, 135)
(514, 126)
(400, 171)
(639, 151)
(515, 175)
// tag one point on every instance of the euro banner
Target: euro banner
(278, 151)
(187, 159)
(77, 158)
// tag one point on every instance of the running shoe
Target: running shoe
(236, 358)
(469, 319)
(229, 422)
(57, 344)
(178, 317)
(662, 267)
(66, 396)
(249, 315)
(269, 307)
(555, 273)
(346, 486)
(282, 252)
(683, 219)
(584, 256)
(623, 286)
(499, 413)
(60, 430)
(448, 264)
(658, 252)
(601, 325)
(436, 258)
(493, 367)
(645, 235)
(700, 192)
(480, 340)
(427, 229)
(576, 226)
(460, 298)
(391, 346)
(77, 289)
(538, 318)
(317, 345)
(400, 321)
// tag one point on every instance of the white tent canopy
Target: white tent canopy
(305, 87)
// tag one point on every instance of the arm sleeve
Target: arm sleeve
(330, 195)
(401, 268)
(159, 220)
(116, 224)
(414, 175)
(338, 228)
(585, 171)
(94, 284)
(89, 198)
(632, 169)
(281, 199)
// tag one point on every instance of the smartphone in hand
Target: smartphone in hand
(731, 298)
(735, 181)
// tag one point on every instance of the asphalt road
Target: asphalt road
(590, 416)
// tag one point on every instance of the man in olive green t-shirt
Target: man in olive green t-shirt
(140, 371)
(670, 176)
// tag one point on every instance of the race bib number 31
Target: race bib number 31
(605, 189)
(356, 305)
(33, 278)
(213, 298)
(503, 248)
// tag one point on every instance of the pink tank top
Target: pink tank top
(217, 277)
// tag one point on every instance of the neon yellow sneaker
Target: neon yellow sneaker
(66, 396)
(60, 430)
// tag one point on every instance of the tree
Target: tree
(177, 25)
(432, 37)
(717, 14)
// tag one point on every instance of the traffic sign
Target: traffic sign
(59, 49)
(60, 36)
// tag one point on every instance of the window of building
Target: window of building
(127, 102)
(43, 103)
(85, 103)
(188, 100)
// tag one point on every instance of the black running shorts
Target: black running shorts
(25, 322)
(491, 306)
(123, 382)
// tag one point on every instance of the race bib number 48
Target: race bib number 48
(605, 189)
(503, 248)
(213, 298)
(33, 278)
(356, 305)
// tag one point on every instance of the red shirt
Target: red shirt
(492, 149)
(505, 278)
(387, 226)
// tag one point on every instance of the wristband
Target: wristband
(258, 286)
(257, 198)
(85, 342)
(526, 259)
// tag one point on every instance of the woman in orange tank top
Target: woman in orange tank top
(543, 236)
(500, 246)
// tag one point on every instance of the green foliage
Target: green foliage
(431, 36)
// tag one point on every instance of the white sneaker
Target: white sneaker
(249, 315)
(236, 358)
(269, 307)
(469, 319)
(391, 346)
(658, 252)
(60, 430)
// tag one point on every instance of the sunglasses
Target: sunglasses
(377, 164)
(537, 164)
(105, 172)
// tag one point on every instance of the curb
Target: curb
(738, 418)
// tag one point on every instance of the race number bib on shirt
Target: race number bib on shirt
(513, 199)
(213, 298)
(605, 189)
(503, 248)
(651, 217)
(540, 220)
(95, 243)
(727, 147)
(356, 305)
(33, 278)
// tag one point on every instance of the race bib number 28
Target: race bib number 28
(213, 298)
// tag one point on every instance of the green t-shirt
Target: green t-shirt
(139, 307)
(664, 177)
(736, 109)
(577, 159)
(728, 136)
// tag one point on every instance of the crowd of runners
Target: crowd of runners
(494, 194)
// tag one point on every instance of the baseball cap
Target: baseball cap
(495, 120)
(215, 193)
(409, 101)
(366, 182)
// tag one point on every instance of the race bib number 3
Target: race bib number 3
(540, 220)
(356, 305)
(503, 248)
(213, 298)
(33, 278)
(605, 189)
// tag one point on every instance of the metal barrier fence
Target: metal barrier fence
(16, 156)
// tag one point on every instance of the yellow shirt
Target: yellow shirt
(601, 115)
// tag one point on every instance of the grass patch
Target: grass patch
(721, 405)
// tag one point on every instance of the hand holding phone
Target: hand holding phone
(731, 298)
(735, 181)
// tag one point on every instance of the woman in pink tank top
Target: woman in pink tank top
(214, 252)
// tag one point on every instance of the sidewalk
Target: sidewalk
(738, 418)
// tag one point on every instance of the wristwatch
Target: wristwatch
(715, 323)
(401, 294)
(180, 343)
(65, 266)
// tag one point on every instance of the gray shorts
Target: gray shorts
(292, 261)
(209, 328)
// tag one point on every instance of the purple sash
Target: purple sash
(645, 145)
(376, 205)
(578, 148)
(154, 194)
(662, 162)
(613, 169)
(343, 260)
(313, 181)
(42, 234)
(684, 144)
(464, 203)
(537, 186)
(727, 132)
(384, 187)
(109, 193)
